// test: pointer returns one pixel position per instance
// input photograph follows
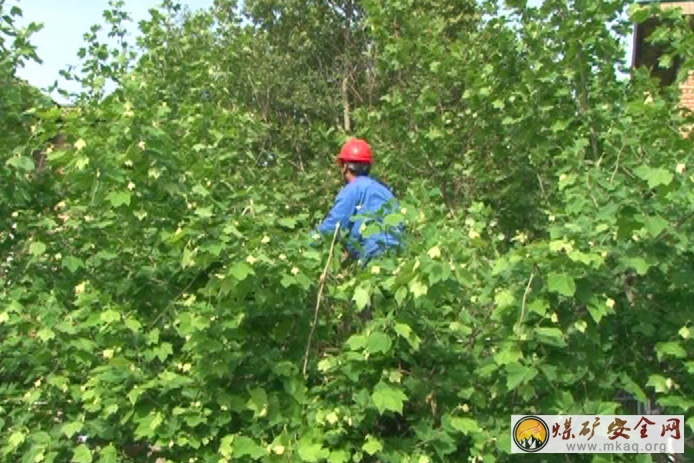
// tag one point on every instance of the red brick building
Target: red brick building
(645, 54)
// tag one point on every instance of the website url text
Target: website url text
(619, 447)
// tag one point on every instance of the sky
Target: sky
(64, 24)
(66, 21)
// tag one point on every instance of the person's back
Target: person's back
(370, 201)
(367, 199)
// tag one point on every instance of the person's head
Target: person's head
(355, 159)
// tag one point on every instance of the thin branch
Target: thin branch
(542, 188)
(616, 167)
(524, 306)
(161, 314)
(323, 278)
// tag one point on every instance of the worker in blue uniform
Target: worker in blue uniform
(362, 201)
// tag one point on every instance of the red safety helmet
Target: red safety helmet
(355, 150)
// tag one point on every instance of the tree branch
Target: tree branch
(525, 302)
(323, 278)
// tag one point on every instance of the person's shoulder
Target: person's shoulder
(350, 188)
(380, 185)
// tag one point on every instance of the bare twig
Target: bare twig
(525, 302)
(161, 314)
(542, 187)
(616, 167)
(323, 278)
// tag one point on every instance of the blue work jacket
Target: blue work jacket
(364, 196)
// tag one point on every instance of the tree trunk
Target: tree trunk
(347, 66)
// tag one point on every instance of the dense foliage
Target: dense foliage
(158, 287)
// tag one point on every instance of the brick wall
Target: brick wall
(687, 6)
(688, 92)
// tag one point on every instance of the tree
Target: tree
(160, 294)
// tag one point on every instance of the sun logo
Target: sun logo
(530, 434)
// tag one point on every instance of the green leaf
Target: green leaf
(670, 349)
(72, 263)
(550, 335)
(109, 316)
(146, 426)
(338, 456)
(241, 270)
(562, 284)
(401, 296)
(70, 429)
(659, 383)
(539, 306)
(187, 258)
(16, 439)
(200, 190)
(287, 222)
(393, 219)
(40, 437)
(465, 425)
(163, 351)
(654, 176)
(519, 374)
(372, 446)
(655, 225)
(45, 334)
(132, 324)
(356, 342)
(690, 422)
(638, 13)
(21, 162)
(379, 342)
(503, 444)
(406, 332)
(226, 446)
(388, 398)
(37, 248)
(204, 212)
(403, 330)
(245, 446)
(82, 454)
(258, 402)
(361, 297)
(311, 452)
(598, 310)
(417, 288)
(119, 198)
(631, 387)
(504, 299)
(507, 355)
(108, 454)
(639, 264)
